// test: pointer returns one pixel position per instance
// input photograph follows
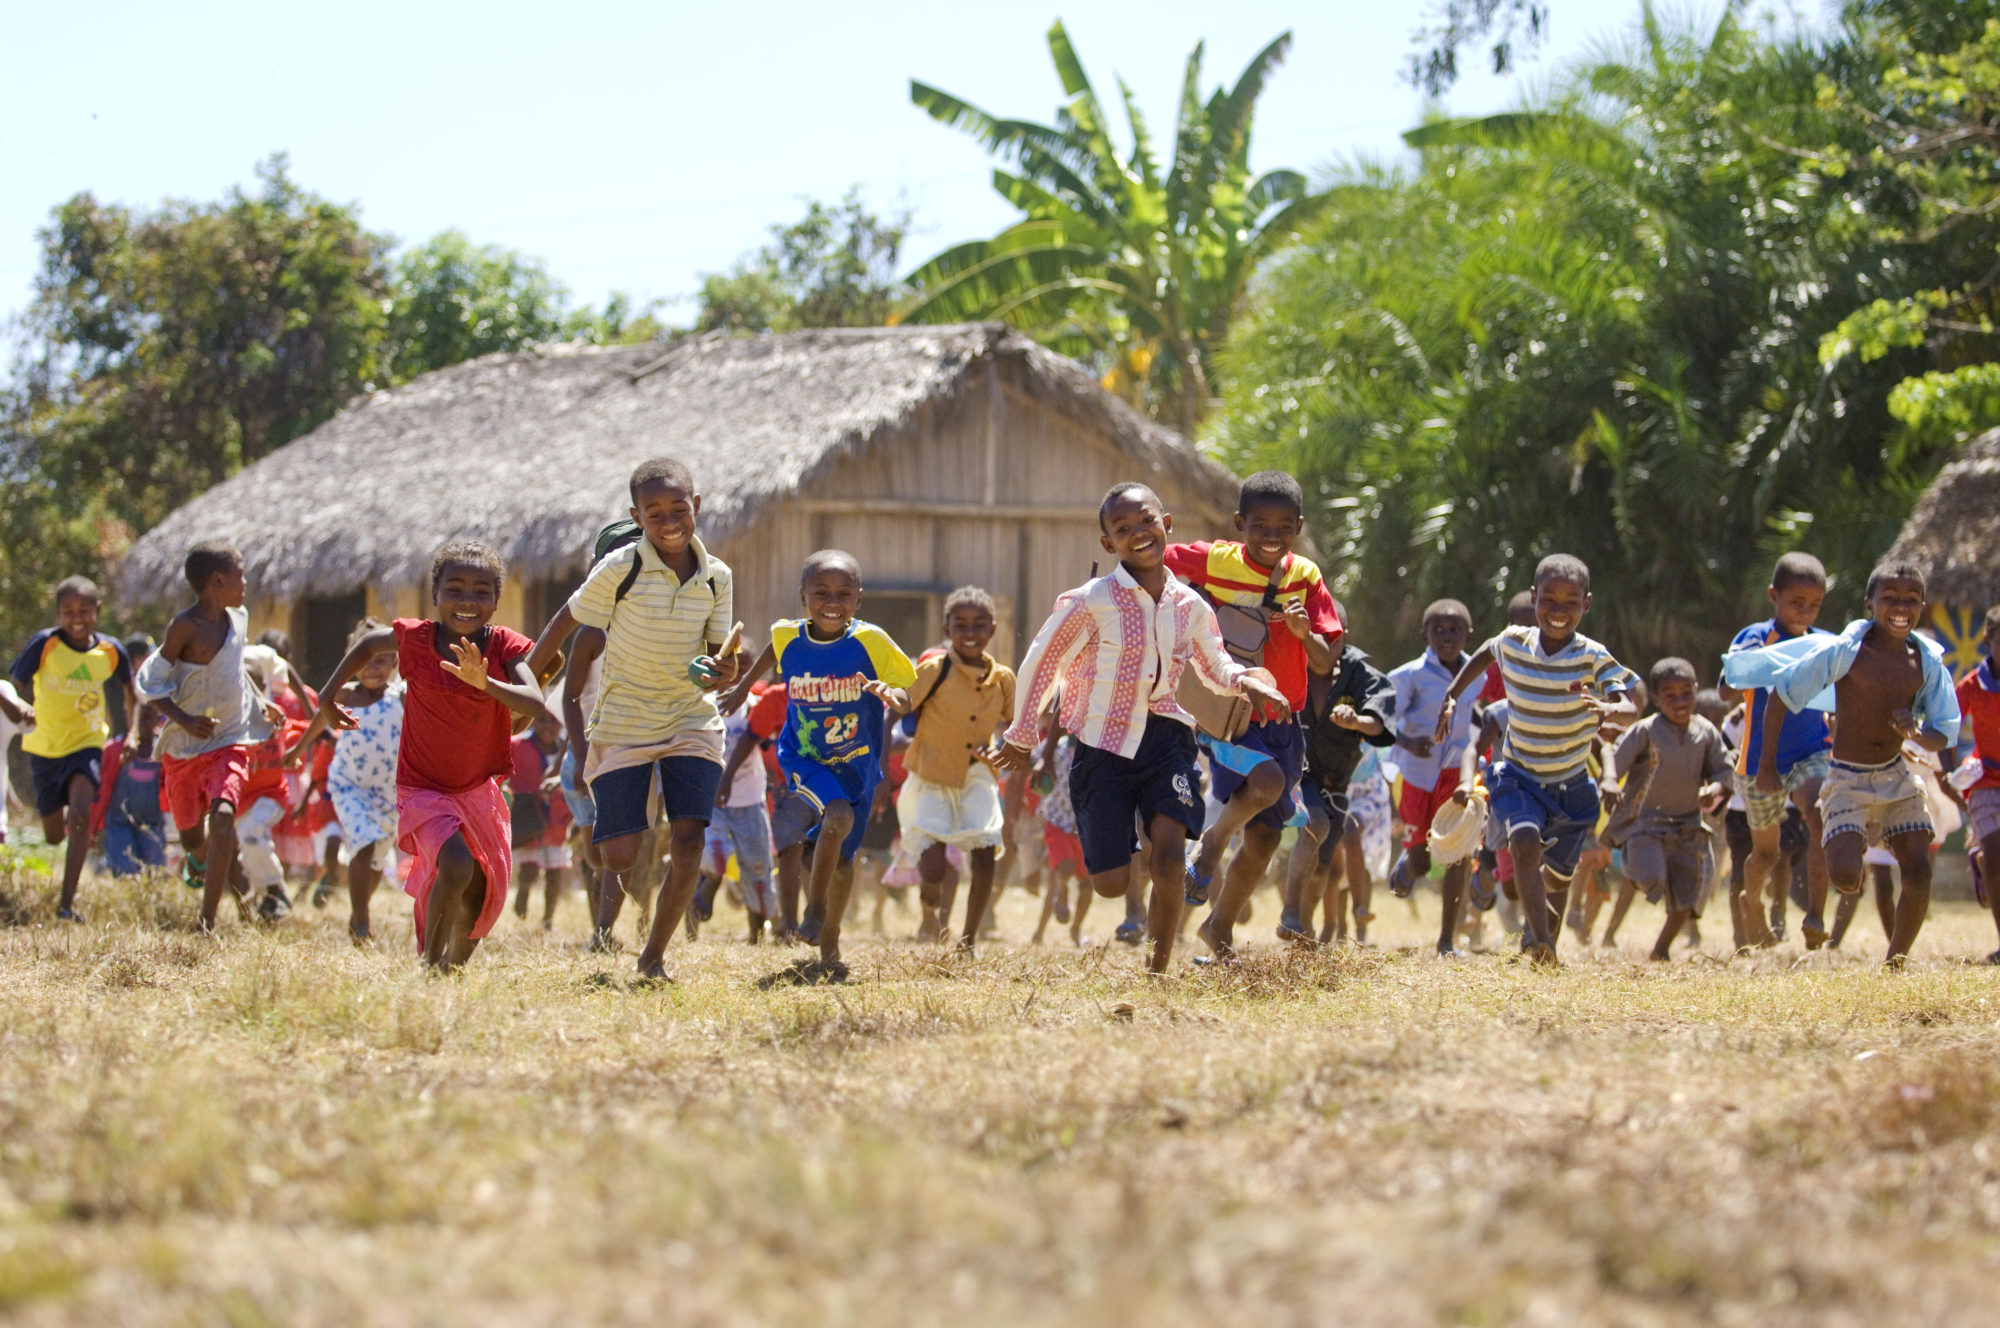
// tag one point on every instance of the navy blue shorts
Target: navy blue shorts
(51, 776)
(1113, 794)
(809, 787)
(688, 785)
(1564, 814)
(1230, 764)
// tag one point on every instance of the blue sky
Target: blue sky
(636, 146)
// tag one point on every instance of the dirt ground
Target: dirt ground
(278, 1128)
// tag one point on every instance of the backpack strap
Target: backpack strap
(632, 578)
(944, 671)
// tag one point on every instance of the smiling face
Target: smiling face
(1136, 528)
(1559, 606)
(1796, 607)
(1897, 605)
(1446, 635)
(228, 586)
(466, 597)
(969, 627)
(666, 512)
(1269, 531)
(77, 616)
(1675, 698)
(377, 673)
(830, 596)
(548, 733)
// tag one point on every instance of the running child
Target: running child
(1561, 688)
(361, 779)
(839, 673)
(1353, 705)
(962, 698)
(62, 674)
(1668, 767)
(1783, 758)
(465, 679)
(1887, 684)
(1118, 646)
(203, 690)
(1275, 612)
(1979, 704)
(1431, 754)
(539, 817)
(130, 814)
(665, 605)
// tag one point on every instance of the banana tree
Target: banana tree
(1132, 267)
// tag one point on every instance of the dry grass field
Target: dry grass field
(278, 1128)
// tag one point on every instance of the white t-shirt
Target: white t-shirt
(9, 730)
(748, 790)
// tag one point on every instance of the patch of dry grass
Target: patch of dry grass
(280, 1128)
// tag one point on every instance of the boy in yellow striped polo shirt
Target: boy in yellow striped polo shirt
(665, 605)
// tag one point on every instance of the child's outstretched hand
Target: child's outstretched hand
(1443, 729)
(1345, 716)
(295, 756)
(468, 665)
(1905, 724)
(710, 673)
(273, 712)
(1610, 795)
(1295, 618)
(1011, 757)
(892, 697)
(1712, 797)
(1270, 702)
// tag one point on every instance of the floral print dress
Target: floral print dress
(362, 779)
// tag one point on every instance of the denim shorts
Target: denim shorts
(1564, 814)
(688, 786)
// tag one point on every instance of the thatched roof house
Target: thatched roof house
(937, 455)
(1954, 534)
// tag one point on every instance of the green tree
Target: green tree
(834, 267)
(1507, 28)
(1133, 264)
(452, 300)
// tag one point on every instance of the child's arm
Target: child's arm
(1468, 764)
(295, 755)
(159, 692)
(1468, 672)
(733, 702)
(895, 699)
(17, 711)
(1062, 637)
(746, 743)
(114, 756)
(1906, 723)
(381, 641)
(1354, 721)
(551, 640)
(588, 646)
(521, 695)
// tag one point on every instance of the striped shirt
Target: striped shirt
(650, 637)
(1549, 727)
(1118, 655)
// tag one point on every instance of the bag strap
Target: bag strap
(1273, 582)
(944, 671)
(631, 577)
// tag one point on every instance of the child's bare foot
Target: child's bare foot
(1540, 953)
(1224, 950)
(1660, 956)
(1814, 930)
(1290, 931)
(603, 942)
(653, 972)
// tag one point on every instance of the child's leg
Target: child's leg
(791, 873)
(1263, 785)
(1048, 911)
(1302, 872)
(555, 882)
(1913, 902)
(1167, 860)
(827, 887)
(608, 903)
(685, 837)
(1360, 886)
(447, 921)
(1627, 892)
(1453, 890)
(1884, 880)
(1819, 868)
(978, 896)
(1065, 875)
(930, 893)
(75, 822)
(1332, 900)
(1246, 870)
(219, 859)
(1676, 918)
(1987, 862)
(1526, 846)
(525, 874)
(362, 875)
(1763, 865)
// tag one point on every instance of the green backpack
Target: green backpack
(623, 533)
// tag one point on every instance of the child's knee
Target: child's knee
(1525, 842)
(1263, 785)
(619, 855)
(455, 860)
(685, 840)
(837, 819)
(1110, 885)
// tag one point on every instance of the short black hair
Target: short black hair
(137, 646)
(662, 470)
(1118, 493)
(1992, 618)
(1563, 567)
(476, 554)
(1798, 569)
(1708, 703)
(1271, 488)
(970, 597)
(1448, 608)
(277, 641)
(78, 587)
(1896, 569)
(1668, 669)
(830, 560)
(208, 558)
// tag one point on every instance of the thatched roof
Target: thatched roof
(531, 450)
(1955, 529)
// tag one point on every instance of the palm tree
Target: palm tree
(1116, 261)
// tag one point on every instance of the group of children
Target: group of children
(1179, 714)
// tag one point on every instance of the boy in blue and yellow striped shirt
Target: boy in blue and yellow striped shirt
(1561, 688)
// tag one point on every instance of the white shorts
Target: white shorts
(549, 857)
(966, 818)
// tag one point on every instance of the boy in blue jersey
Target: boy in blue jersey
(838, 673)
(1561, 687)
(1783, 758)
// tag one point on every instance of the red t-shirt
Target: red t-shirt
(454, 738)
(529, 765)
(1494, 688)
(1223, 572)
(1979, 705)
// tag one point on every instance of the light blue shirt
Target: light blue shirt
(1802, 672)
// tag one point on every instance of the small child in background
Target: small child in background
(839, 673)
(539, 817)
(1429, 751)
(742, 824)
(199, 682)
(10, 706)
(62, 674)
(361, 777)
(1668, 768)
(130, 813)
(1352, 705)
(267, 805)
(1979, 705)
(465, 678)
